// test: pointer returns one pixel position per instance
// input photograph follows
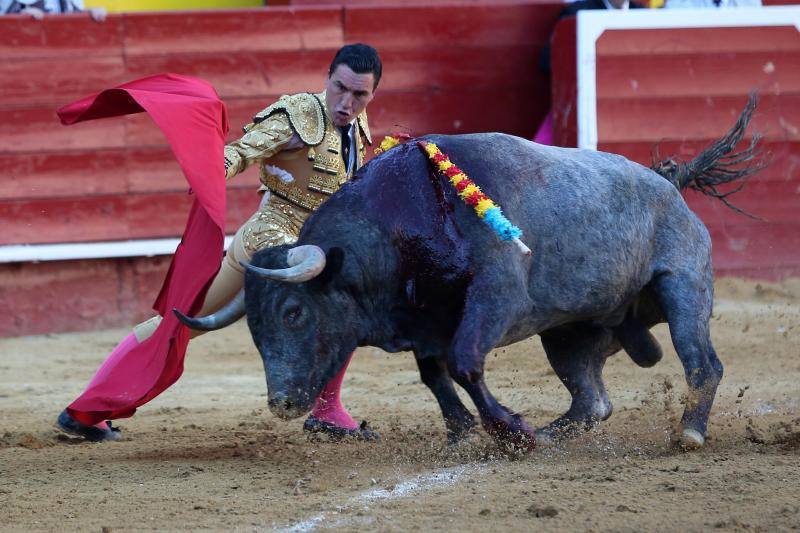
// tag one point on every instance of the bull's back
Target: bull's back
(598, 224)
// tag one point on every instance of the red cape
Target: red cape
(194, 121)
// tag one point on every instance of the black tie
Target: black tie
(345, 130)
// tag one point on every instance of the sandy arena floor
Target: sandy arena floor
(207, 454)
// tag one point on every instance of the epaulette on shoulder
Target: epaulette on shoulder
(364, 124)
(306, 116)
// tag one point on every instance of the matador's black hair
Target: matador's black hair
(361, 58)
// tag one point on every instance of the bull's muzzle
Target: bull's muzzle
(286, 408)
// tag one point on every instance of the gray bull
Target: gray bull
(395, 260)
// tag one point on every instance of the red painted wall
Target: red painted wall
(447, 68)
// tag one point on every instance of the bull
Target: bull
(395, 260)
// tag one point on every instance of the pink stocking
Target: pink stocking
(329, 408)
(126, 345)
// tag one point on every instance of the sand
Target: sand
(207, 454)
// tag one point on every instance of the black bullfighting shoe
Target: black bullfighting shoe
(316, 427)
(67, 424)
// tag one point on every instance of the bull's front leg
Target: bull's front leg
(458, 420)
(482, 327)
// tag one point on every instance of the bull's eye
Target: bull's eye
(292, 314)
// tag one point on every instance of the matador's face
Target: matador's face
(347, 94)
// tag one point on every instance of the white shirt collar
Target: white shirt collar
(626, 5)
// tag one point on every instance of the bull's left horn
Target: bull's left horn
(305, 263)
(230, 313)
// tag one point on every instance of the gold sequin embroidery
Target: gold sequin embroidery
(290, 191)
(276, 223)
(306, 115)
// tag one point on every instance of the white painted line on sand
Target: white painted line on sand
(417, 484)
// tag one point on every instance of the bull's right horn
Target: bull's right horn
(230, 313)
(305, 263)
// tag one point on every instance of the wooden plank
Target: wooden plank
(244, 74)
(655, 41)
(93, 173)
(80, 295)
(450, 112)
(694, 117)
(63, 220)
(155, 170)
(83, 292)
(64, 36)
(151, 170)
(749, 246)
(48, 175)
(769, 273)
(451, 69)
(104, 218)
(783, 156)
(302, 28)
(698, 74)
(774, 201)
(52, 81)
(780, 174)
(165, 215)
(472, 26)
(37, 129)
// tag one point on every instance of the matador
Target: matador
(307, 146)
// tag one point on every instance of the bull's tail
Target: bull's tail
(719, 164)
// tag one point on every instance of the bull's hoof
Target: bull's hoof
(514, 435)
(519, 442)
(316, 428)
(691, 440)
(562, 429)
(69, 425)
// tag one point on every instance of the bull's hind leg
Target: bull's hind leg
(687, 299)
(577, 354)
(457, 419)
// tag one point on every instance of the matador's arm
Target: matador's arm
(262, 140)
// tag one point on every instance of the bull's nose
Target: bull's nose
(279, 404)
(283, 407)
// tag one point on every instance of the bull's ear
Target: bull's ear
(334, 259)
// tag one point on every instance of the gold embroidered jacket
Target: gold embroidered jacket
(304, 176)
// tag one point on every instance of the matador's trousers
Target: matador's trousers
(276, 222)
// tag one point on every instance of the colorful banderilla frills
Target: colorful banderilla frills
(472, 195)
(390, 141)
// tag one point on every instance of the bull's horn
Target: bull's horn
(233, 311)
(305, 263)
